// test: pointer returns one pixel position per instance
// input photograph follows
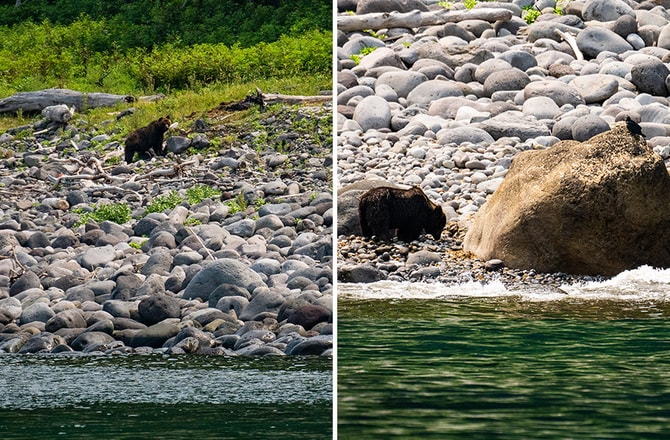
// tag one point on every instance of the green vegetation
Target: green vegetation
(137, 48)
(469, 4)
(138, 23)
(115, 212)
(164, 202)
(192, 221)
(238, 204)
(530, 14)
(136, 244)
(197, 193)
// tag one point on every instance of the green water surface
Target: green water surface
(161, 397)
(502, 368)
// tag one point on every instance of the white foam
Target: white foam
(643, 283)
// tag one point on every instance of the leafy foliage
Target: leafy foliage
(198, 193)
(138, 23)
(469, 4)
(121, 47)
(238, 204)
(115, 212)
(530, 14)
(163, 202)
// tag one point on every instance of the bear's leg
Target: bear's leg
(408, 233)
(159, 150)
(365, 226)
(130, 152)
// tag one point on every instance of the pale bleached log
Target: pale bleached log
(276, 98)
(38, 100)
(414, 19)
(58, 113)
(572, 42)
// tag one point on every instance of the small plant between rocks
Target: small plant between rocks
(114, 212)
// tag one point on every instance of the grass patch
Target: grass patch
(197, 193)
(114, 212)
(238, 204)
(165, 202)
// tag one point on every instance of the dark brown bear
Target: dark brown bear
(147, 138)
(409, 211)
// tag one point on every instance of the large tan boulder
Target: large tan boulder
(597, 207)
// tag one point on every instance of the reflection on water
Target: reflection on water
(163, 397)
(593, 363)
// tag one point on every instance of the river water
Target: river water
(585, 361)
(161, 397)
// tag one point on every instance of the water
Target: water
(131, 397)
(587, 361)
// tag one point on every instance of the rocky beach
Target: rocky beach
(447, 101)
(224, 247)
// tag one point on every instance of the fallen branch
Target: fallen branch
(415, 19)
(572, 42)
(168, 172)
(275, 98)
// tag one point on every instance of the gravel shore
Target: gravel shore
(227, 248)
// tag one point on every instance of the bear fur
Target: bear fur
(147, 138)
(409, 211)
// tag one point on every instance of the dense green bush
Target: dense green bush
(139, 23)
(137, 46)
(77, 56)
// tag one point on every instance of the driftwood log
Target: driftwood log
(274, 98)
(414, 19)
(262, 99)
(31, 102)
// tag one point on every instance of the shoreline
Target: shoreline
(245, 270)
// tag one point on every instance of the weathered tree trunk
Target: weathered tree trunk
(37, 101)
(414, 19)
(273, 98)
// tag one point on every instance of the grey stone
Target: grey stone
(156, 308)
(97, 257)
(223, 271)
(593, 41)
(587, 127)
(36, 312)
(265, 301)
(155, 335)
(177, 144)
(429, 91)
(650, 76)
(595, 88)
(373, 112)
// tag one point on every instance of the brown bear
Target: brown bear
(408, 210)
(147, 138)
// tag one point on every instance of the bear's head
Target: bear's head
(163, 124)
(435, 222)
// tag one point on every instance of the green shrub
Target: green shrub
(238, 204)
(197, 193)
(469, 4)
(164, 202)
(530, 14)
(115, 212)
